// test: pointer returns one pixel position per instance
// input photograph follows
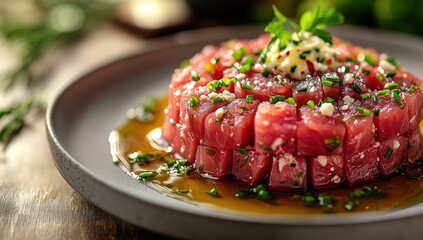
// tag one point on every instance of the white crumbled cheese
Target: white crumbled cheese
(377, 144)
(293, 59)
(240, 76)
(225, 95)
(266, 123)
(396, 144)
(336, 179)
(327, 109)
(348, 100)
(387, 66)
(220, 112)
(349, 78)
(278, 142)
(323, 160)
(287, 159)
(345, 107)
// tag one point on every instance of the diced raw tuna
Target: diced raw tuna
(249, 166)
(275, 126)
(392, 120)
(310, 89)
(212, 162)
(414, 150)
(231, 126)
(262, 88)
(362, 166)
(414, 105)
(182, 141)
(331, 86)
(326, 171)
(360, 130)
(318, 134)
(288, 172)
(391, 153)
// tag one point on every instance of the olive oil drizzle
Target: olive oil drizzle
(138, 149)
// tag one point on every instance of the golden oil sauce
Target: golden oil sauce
(136, 136)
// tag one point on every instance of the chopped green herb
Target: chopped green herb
(245, 68)
(302, 89)
(147, 174)
(242, 150)
(376, 112)
(365, 112)
(382, 92)
(413, 88)
(365, 71)
(394, 62)
(194, 76)
(140, 157)
(392, 85)
(325, 200)
(260, 192)
(351, 205)
(365, 96)
(293, 68)
(249, 98)
(265, 72)
(291, 101)
(370, 59)
(184, 64)
(266, 147)
(258, 52)
(246, 86)
(328, 83)
(333, 79)
(395, 95)
(391, 74)
(275, 99)
(215, 60)
(216, 99)
(349, 59)
(329, 100)
(194, 101)
(370, 192)
(213, 192)
(374, 98)
(388, 153)
(310, 104)
(226, 82)
(333, 143)
(380, 77)
(239, 53)
(357, 89)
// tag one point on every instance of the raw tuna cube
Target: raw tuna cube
(414, 151)
(212, 162)
(275, 126)
(231, 126)
(309, 89)
(193, 117)
(262, 88)
(288, 172)
(326, 171)
(414, 104)
(318, 134)
(392, 120)
(353, 86)
(331, 86)
(183, 143)
(391, 153)
(250, 167)
(362, 166)
(360, 130)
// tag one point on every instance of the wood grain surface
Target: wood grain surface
(35, 201)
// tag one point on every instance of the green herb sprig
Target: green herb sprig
(314, 21)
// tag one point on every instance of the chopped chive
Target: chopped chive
(413, 88)
(382, 92)
(302, 89)
(266, 147)
(329, 100)
(388, 153)
(310, 104)
(328, 83)
(333, 143)
(365, 112)
(242, 150)
(245, 68)
(369, 192)
(376, 112)
(357, 89)
(350, 206)
(258, 52)
(365, 96)
(380, 77)
(239, 53)
(325, 200)
(213, 192)
(216, 99)
(147, 174)
(226, 82)
(370, 59)
(275, 99)
(333, 79)
(246, 86)
(194, 101)
(303, 57)
(248, 61)
(291, 101)
(344, 69)
(293, 68)
(394, 62)
(392, 85)
(395, 95)
(194, 76)
(349, 59)
(215, 60)
(184, 64)
(249, 98)
(265, 72)
(390, 74)
(365, 71)
(374, 98)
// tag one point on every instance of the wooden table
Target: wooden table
(35, 201)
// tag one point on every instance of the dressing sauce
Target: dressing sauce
(137, 136)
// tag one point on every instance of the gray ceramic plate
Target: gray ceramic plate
(81, 117)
